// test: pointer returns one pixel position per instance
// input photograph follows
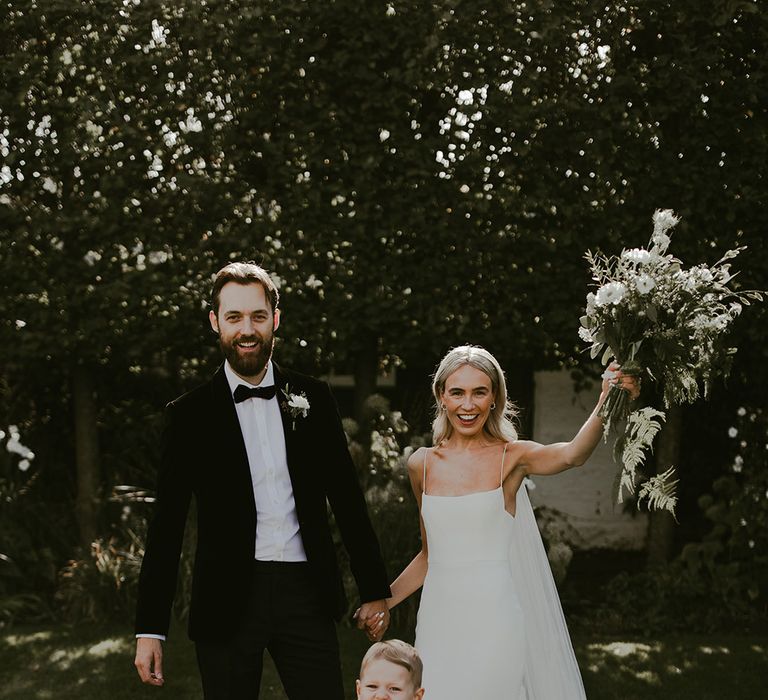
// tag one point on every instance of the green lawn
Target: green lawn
(90, 663)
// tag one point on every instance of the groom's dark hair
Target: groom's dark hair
(244, 273)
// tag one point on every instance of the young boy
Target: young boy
(390, 670)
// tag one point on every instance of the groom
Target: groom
(263, 452)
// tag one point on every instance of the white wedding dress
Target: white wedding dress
(490, 625)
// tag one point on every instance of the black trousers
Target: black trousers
(285, 616)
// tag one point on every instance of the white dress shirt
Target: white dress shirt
(277, 525)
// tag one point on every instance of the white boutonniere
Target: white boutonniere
(295, 404)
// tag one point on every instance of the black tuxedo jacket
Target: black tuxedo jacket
(203, 454)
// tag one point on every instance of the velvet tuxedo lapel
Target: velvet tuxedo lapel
(226, 429)
(291, 442)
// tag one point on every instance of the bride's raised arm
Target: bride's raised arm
(539, 459)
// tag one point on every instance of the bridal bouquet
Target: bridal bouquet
(656, 318)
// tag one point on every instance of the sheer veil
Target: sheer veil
(551, 670)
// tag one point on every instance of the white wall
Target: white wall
(584, 494)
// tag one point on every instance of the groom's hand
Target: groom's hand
(373, 617)
(149, 660)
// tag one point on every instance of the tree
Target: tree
(416, 174)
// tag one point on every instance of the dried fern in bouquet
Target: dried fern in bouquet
(660, 320)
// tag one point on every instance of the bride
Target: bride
(490, 625)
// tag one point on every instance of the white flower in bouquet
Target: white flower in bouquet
(661, 242)
(611, 293)
(644, 284)
(663, 220)
(657, 319)
(638, 256)
(586, 335)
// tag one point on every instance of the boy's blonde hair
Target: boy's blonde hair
(397, 652)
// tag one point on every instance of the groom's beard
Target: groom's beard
(251, 363)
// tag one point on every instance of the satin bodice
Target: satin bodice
(466, 529)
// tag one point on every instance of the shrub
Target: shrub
(733, 556)
(721, 580)
(27, 569)
(379, 449)
(101, 584)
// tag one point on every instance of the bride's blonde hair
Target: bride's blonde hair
(500, 423)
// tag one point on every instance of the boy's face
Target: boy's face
(384, 680)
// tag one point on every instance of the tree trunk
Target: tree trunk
(661, 524)
(86, 455)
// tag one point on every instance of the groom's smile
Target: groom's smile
(247, 345)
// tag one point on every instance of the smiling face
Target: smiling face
(384, 680)
(467, 397)
(246, 326)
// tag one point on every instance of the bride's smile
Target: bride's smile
(468, 400)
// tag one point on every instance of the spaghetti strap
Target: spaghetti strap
(424, 476)
(503, 456)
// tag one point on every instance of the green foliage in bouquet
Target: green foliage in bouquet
(659, 319)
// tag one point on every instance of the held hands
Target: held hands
(149, 660)
(373, 618)
(613, 376)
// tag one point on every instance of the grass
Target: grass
(90, 663)
(726, 666)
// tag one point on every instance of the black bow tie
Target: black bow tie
(259, 392)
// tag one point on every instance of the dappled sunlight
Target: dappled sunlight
(652, 664)
(649, 677)
(64, 658)
(714, 650)
(25, 687)
(17, 640)
(622, 649)
(632, 658)
(84, 662)
(116, 645)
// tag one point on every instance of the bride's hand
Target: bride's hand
(613, 376)
(375, 626)
(372, 619)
